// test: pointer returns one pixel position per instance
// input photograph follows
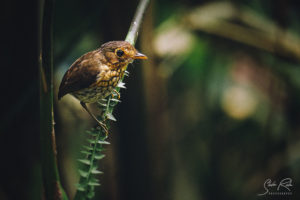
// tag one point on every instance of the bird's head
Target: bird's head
(120, 53)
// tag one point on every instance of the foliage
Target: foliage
(93, 151)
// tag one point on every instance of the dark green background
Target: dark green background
(177, 136)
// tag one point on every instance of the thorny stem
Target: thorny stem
(131, 38)
(111, 102)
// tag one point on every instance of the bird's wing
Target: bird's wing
(82, 73)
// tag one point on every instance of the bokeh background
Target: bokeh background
(212, 114)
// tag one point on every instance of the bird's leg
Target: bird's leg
(93, 116)
(116, 93)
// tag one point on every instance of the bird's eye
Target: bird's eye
(120, 53)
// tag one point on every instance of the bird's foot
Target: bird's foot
(116, 93)
(104, 127)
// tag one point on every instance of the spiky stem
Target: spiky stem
(94, 152)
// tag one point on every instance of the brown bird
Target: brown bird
(96, 74)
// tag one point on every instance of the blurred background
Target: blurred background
(212, 114)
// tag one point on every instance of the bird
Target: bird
(95, 75)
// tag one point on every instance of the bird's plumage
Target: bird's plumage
(82, 73)
(95, 74)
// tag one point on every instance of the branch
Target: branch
(136, 22)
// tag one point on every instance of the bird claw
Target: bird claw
(104, 127)
(116, 93)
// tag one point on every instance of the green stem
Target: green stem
(81, 195)
(52, 187)
(131, 37)
(136, 22)
(132, 34)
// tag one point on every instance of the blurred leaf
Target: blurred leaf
(83, 173)
(99, 157)
(111, 117)
(95, 171)
(103, 142)
(86, 152)
(85, 161)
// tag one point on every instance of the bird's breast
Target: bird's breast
(106, 81)
(108, 78)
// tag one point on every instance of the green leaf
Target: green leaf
(99, 157)
(94, 167)
(85, 152)
(88, 148)
(103, 142)
(95, 171)
(85, 161)
(93, 132)
(110, 117)
(90, 194)
(91, 141)
(116, 100)
(81, 187)
(93, 184)
(83, 173)
(102, 104)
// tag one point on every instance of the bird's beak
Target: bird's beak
(141, 56)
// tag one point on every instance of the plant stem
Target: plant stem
(131, 37)
(108, 108)
(136, 22)
(52, 187)
(133, 33)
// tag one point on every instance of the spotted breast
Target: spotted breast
(107, 80)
